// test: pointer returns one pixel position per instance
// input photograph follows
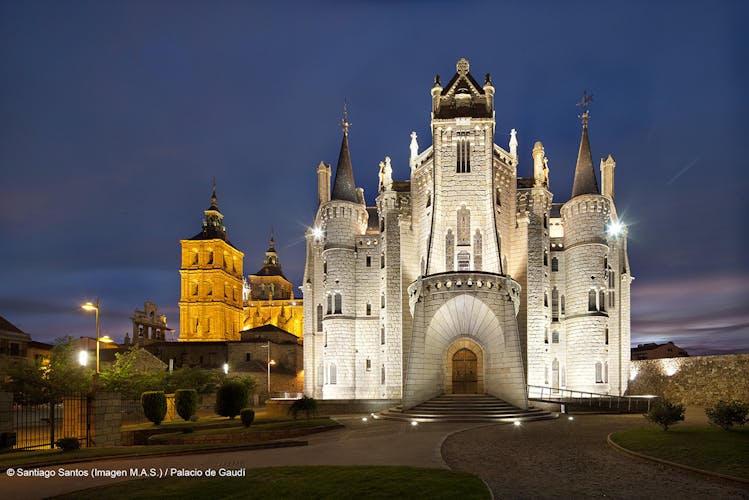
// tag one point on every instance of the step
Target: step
(465, 408)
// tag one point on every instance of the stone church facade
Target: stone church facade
(467, 277)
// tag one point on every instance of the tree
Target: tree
(126, 378)
(665, 413)
(36, 383)
(726, 414)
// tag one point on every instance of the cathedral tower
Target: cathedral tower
(210, 306)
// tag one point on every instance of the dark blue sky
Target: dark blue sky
(114, 117)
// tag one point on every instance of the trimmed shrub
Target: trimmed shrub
(726, 414)
(68, 444)
(665, 413)
(306, 405)
(248, 416)
(154, 406)
(186, 403)
(231, 398)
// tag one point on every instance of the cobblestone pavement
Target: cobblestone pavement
(570, 459)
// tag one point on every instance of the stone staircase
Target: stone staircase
(466, 408)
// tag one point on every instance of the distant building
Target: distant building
(270, 298)
(13, 341)
(148, 326)
(217, 302)
(658, 351)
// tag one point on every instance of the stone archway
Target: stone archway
(464, 363)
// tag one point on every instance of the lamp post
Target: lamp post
(270, 363)
(88, 306)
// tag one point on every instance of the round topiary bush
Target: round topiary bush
(726, 414)
(186, 403)
(231, 398)
(248, 416)
(154, 406)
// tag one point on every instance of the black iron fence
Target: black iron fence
(41, 425)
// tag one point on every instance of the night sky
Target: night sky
(115, 116)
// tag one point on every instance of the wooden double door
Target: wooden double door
(465, 377)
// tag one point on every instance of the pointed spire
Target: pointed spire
(214, 198)
(344, 187)
(585, 175)
(272, 246)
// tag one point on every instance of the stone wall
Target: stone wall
(698, 380)
(106, 418)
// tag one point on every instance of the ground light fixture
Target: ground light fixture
(570, 418)
(364, 419)
(517, 423)
(414, 423)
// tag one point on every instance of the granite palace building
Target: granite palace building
(466, 277)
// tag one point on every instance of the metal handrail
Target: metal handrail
(559, 395)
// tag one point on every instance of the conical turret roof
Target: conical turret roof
(585, 175)
(344, 187)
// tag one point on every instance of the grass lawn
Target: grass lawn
(357, 482)
(707, 448)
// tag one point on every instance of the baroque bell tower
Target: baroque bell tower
(210, 307)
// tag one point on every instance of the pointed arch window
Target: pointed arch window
(319, 317)
(555, 304)
(333, 374)
(382, 375)
(463, 152)
(554, 264)
(606, 336)
(464, 226)
(449, 250)
(601, 300)
(338, 303)
(555, 337)
(477, 250)
(592, 300)
(210, 257)
(330, 304)
(599, 373)
(555, 373)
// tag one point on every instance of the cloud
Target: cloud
(703, 314)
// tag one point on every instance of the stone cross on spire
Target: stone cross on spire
(344, 122)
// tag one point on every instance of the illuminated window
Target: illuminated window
(463, 152)
(477, 250)
(464, 226)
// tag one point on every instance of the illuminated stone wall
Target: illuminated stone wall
(697, 380)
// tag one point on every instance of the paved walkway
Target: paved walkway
(571, 459)
(549, 459)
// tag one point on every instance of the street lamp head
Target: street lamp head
(317, 232)
(83, 358)
(272, 362)
(88, 306)
(106, 339)
(615, 228)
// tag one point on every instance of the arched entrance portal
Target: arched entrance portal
(464, 367)
(465, 376)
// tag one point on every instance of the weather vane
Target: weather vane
(587, 99)
(345, 123)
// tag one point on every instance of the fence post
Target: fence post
(105, 418)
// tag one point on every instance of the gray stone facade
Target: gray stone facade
(467, 277)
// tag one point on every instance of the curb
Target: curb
(648, 458)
